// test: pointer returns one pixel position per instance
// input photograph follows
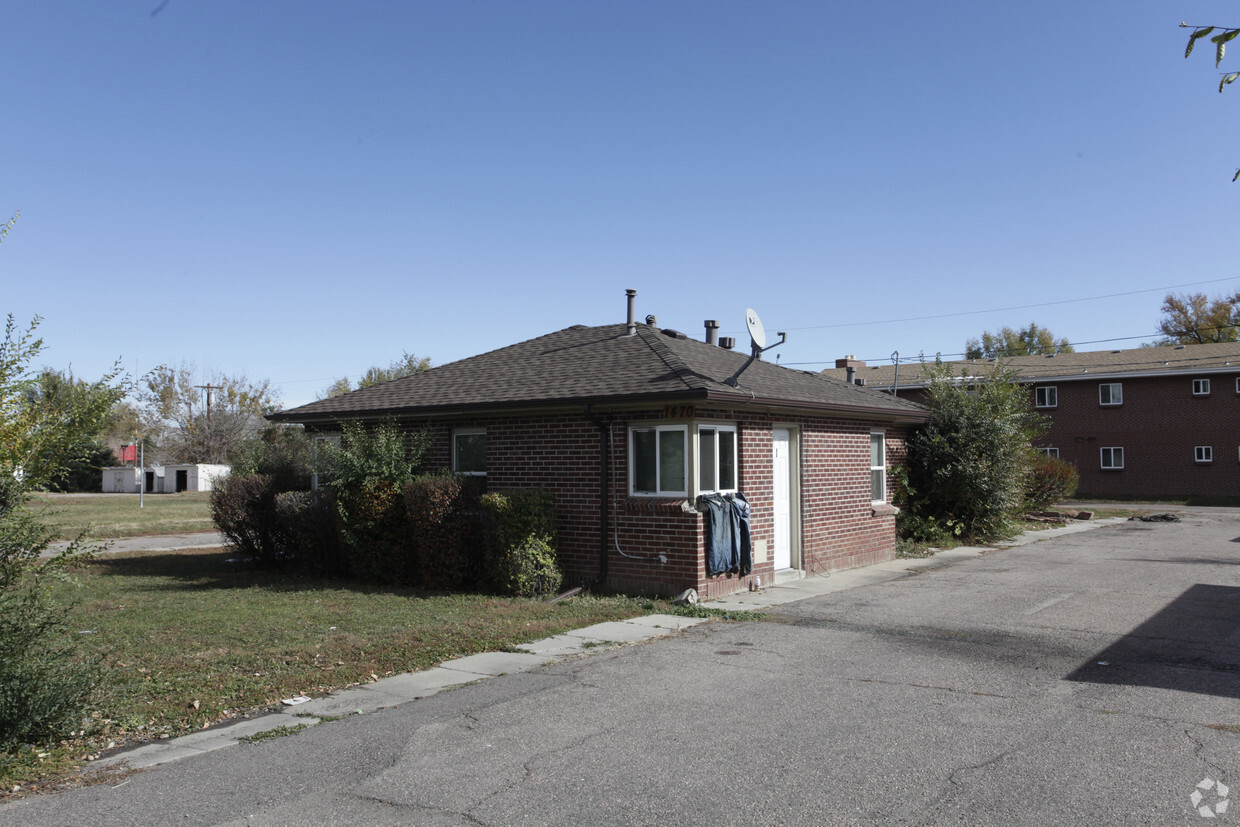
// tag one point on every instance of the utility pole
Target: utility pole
(210, 441)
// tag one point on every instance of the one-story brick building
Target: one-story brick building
(1143, 422)
(628, 425)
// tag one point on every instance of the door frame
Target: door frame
(794, 494)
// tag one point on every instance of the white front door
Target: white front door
(781, 473)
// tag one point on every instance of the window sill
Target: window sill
(673, 504)
(883, 510)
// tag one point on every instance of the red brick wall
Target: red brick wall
(562, 453)
(1158, 425)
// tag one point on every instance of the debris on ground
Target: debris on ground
(1156, 518)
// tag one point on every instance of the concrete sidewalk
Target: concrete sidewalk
(401, 689)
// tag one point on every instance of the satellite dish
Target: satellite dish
(756, 331)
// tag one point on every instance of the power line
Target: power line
(1014, 307)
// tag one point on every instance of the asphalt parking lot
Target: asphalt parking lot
(1087, 678)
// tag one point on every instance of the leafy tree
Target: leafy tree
(407, 365)
(61, 390)
(43, 682)
(1028, 341)
(47, 421)
(8, 225)
(1225, 35)
(966, 467)
(193, 419)
(1193, 319)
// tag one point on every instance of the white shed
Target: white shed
(197, 477)
(121, 480)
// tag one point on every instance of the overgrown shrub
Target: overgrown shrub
(1048, 481)
(282, 452)
(43, 680)
(442, 513)
(243, 507)
(370, 520)
(518, 529)
(967, 465)
(366, 474)
(307, 531)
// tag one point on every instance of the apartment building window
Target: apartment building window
(1201, 387)
(1111, 393)
(1204, 453)
(1046, 396)
(1049, 452)
(1113, 458)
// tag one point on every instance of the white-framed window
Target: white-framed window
(1110, 393)
(1049, 452)
(1046, 396)
(878, 466)
(469, 451)
(1201, 387)
(1238, 384)
(659, 460)
(1113, 458)
(717, 467)
(1204, 453)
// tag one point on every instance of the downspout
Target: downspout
(604, 478)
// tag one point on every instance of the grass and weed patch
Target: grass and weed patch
(188, 639)
(110, 516)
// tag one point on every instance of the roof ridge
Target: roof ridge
(675, 363)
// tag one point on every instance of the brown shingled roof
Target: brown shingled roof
(1148, 361)
(602, 365)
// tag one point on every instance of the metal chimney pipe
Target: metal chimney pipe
(631, 325)
(712, 332)
(851, 374)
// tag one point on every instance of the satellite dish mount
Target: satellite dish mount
(757, 343)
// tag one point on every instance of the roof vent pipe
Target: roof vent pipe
(850, 374)
(653, 321)
(712, 332)
(630, 325)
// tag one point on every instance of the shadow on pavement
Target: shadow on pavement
(1189, 646)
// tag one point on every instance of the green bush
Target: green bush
(43, 681)
(1048, 481)
(283, 452)
(371, 522)
(518, 529)
(307, 530)
(443, 528)
(967, 465)
(243, 508)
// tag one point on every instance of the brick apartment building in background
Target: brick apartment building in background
(1144, 422)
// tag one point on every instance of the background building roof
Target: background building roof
(1066, 367)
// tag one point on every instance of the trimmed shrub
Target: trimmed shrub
(1048, 481)
(443, 528)
(308, 533)
(518, 529)
(371, 521)
(243, 507)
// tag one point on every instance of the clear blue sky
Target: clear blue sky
(298, 190)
